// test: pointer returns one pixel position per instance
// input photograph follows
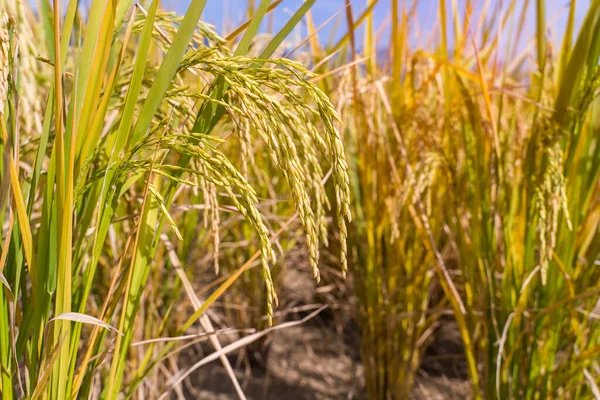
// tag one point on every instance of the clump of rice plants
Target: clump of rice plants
(397, 240)
(129, 110)
(392, 260)
(134, 140)
(474, 169)
(525, 207)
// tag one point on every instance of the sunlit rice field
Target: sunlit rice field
(312, 199)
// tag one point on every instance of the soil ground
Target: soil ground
(320, 359)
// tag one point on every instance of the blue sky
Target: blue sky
(227, 14)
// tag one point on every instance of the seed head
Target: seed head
(4, 64)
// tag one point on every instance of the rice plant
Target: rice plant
(397, 240)
(525, 221)
(393, 262)
(476, 170)
(152, 168)
(119, 121)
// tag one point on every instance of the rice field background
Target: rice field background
(391, 199)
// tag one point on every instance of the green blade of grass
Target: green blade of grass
(167, 69)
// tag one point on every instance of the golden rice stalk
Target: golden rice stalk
(211, 214)
(551, 197)
(4, 64)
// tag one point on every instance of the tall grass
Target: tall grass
(129, 109)
(526, 219)
(142, 153)
(474, 169)
(393, 263)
